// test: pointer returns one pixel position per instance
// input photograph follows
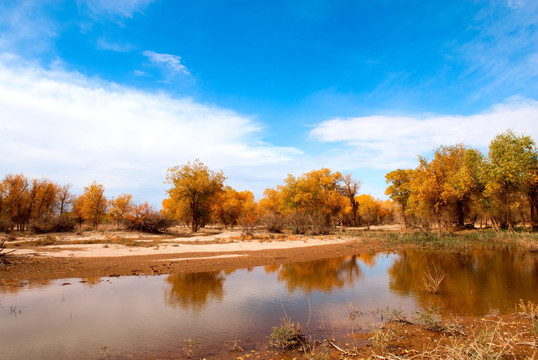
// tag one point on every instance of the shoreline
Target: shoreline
(124, 253)
(30, 268)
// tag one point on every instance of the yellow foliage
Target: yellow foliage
(93, 203)
(194, 190)
(316, 192)
(120, 206)
(230, 206)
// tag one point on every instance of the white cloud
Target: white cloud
(171, 61)
(514, 4)
(104, 44)
(389, 142)
(121, 8)
(69, 128)
(501, 57)
(25, 28)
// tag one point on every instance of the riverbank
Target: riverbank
(113, 253)
(120, 253)
(427, 336)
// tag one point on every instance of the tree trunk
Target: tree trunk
(533, 202)
(460, 214)
(404, 217)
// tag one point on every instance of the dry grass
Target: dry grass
(3, 258)
(433, 279)
(481, 339)
(288, 335)
(530, 311)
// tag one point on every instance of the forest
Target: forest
(456, 187)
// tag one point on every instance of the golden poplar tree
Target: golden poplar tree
(94, 203)
(194, 189)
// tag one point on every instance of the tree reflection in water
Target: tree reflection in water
(324, 275)
(9, 286)
(193, 291)
(477, 283)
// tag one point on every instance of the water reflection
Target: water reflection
(10, 286)
(90, 281)
(129, 316)
(324, 275)
(476, 283)
(193, 291)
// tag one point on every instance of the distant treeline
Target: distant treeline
(458, 186)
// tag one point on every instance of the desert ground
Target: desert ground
(111, 252)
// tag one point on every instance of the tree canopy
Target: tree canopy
(194, 189)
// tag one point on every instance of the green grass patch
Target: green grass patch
(456, 241)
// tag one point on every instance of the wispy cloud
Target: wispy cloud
(23, 23)
(74, 129)
(514, 4)
(110, 8)
(104, 44)
(502, 55)
(389, 142)
(172, 62)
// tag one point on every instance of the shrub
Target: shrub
(47, 240)
(248, 223)
(6, 225)
(145, 218)
(298, 222)
(273, 222)
(313, 224)
(288, 335)
(319, 225)
(59, 224)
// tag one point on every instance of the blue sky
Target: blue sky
(119, 91)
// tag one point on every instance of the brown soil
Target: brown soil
(493, 337)
(37, 268)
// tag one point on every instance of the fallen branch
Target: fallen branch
(3, 254)
(339, 349)
(528, 343)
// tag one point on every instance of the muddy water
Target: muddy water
(151, 317)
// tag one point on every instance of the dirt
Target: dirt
(506, 337)
(118, 253)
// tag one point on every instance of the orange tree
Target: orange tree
(26, 201)
(270, 210)
(314, 197)
(399, 189)
(231, 205)
(119, 207)
(94, 203)
(194, 189)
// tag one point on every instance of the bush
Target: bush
(3, 258)
(59, 224)
(312, 224)
(288, 335)
(145, 218)
(248, 223)
(298, 222)
(6, 225)
(273, 222)
(47, 240)
(318, 225)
